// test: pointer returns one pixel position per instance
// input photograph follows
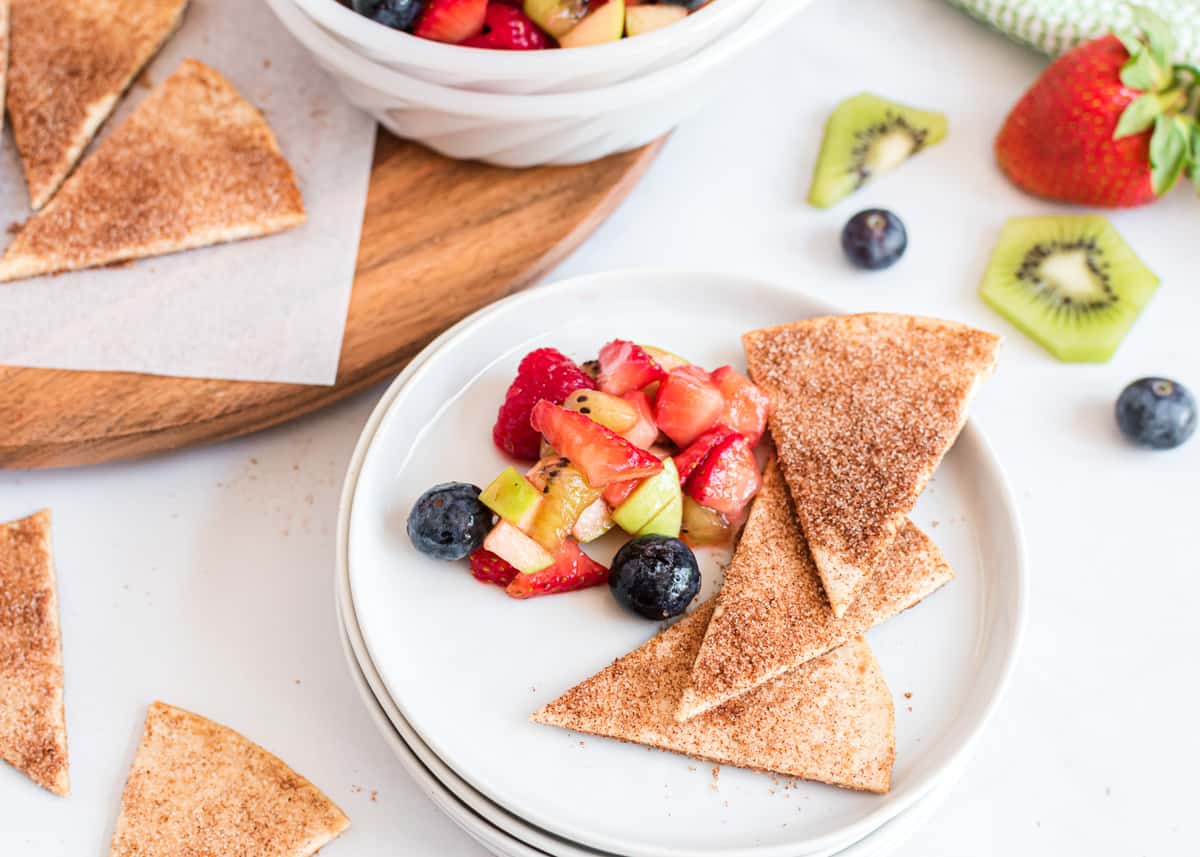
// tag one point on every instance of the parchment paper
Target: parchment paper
(269, 309)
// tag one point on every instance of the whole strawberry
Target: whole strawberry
(1107, 124)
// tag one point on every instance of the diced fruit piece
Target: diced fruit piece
(513, 497)
(645, 431)
(866, 136)
(556, 17)
(616, 493)
(543, 374)
(1069, 282)
(746, 406)
(703, 526)
(667, 522)
(595, 521)
(874, 239)
(626, 366)
(650, 498)
(565, 494)
(602, 24)
(397, 14)
(655, 576)
(728, 479)
(1157, 413)
(573, 569)
(610, 411)
(690, 5)
(665, 359)
(644, 19)
(506, 28)
(451, 20)
(517, 549)
(691, 458)
(599, 453)
(448, 521)
(687, 405)
(489, 568)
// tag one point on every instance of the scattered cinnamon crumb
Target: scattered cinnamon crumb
(15, 227)
(374, 795)
(716, 778)
(908, 694)
(267, 62)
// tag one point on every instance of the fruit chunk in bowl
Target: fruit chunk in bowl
(523, 25)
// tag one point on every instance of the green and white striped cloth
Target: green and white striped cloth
(1054, 26)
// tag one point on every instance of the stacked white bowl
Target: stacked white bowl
(523, 109)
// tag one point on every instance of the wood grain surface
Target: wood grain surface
(440, 239)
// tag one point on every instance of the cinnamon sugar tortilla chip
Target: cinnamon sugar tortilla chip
(33, 731)
(831, 721)
(199, 788)
(863, 409)
(194, 165)
(771, 615)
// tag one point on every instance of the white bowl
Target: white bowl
(532, 130)
(526, 73)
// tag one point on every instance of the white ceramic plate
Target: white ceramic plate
(466, 666)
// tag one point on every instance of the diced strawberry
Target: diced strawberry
(687, 405)
(746, 406)
(692, 457)
(602, 455)
(626, 366)
(506, 28)
(728, 479)
(451, 20)
(573, 570)
(618, 492)
(645, 432)
(543, 374)
(489, 568)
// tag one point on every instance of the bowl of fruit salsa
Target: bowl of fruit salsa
(638, 441)
(530, 130)
(512, 46)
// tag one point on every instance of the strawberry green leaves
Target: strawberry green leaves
(1170, 151)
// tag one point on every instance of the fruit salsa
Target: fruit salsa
(638, 440)
(524, 25)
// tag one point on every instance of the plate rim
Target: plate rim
(1003, 496)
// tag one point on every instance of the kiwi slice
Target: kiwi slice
(1069, 282)
(865, 136)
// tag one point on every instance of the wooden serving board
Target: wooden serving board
(440, 239)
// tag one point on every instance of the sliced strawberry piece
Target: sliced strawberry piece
(626, 366)
(645, 431)
(692, 457)
(602, 455)
(543, 374)
(573, 570)
(451, 20)
(728, 479)
(746, 406)
(509, 29)
(618, 492)
(687, 405)
(489, 568)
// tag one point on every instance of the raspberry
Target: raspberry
(543, 374)
(489, 568)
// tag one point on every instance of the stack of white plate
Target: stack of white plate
(450, 669)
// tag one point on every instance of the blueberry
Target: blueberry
(874, 239)
(690, 5)
(1156, 412)
(449, 522)
(397, 14)
(655, 576)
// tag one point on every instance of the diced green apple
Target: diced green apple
(556, 17)
(603, 24)
(595, 521)
(651, 497)
(513, 498)
(667, 522)
(644, 18)
(517, 549)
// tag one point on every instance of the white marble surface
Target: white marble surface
(204, 578)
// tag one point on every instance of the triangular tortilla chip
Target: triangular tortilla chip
(71, 62)
(199, 788)
(33, 729)
(194, 165)
(864, 408)
(831, 721)
(772, 614)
